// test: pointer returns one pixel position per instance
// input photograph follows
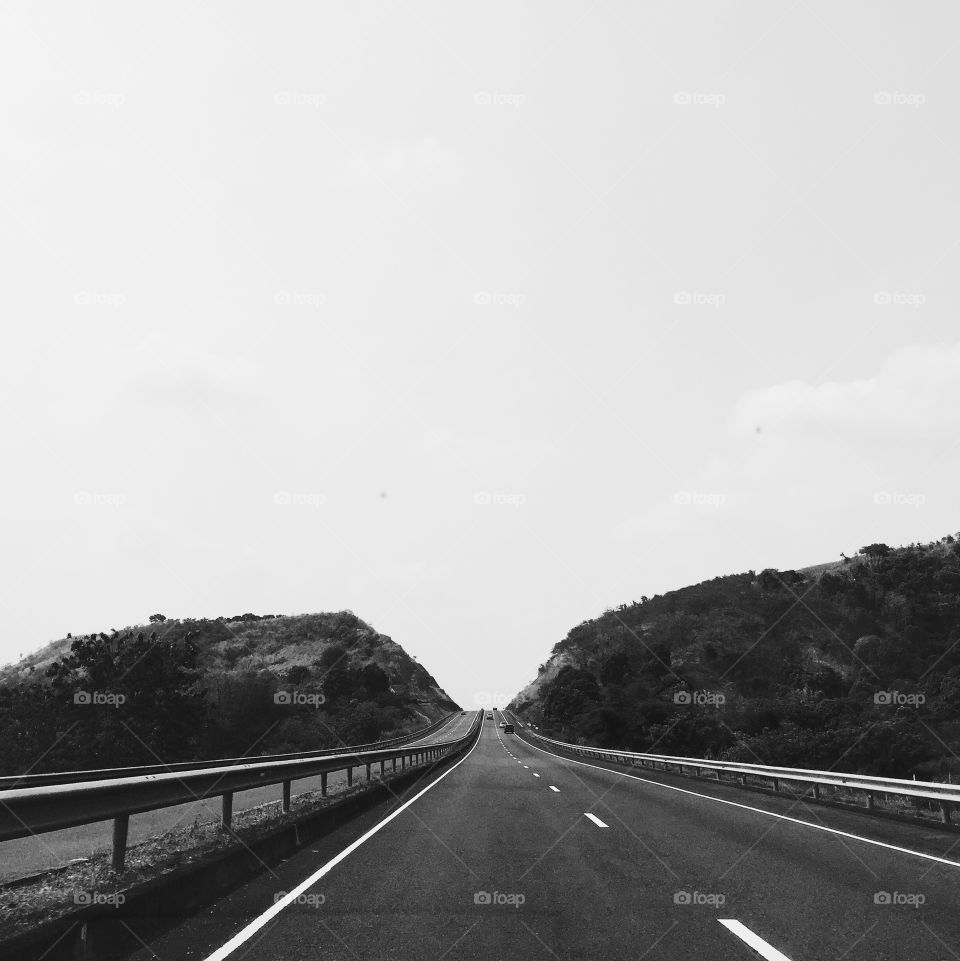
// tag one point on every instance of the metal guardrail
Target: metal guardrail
(51, 807)
(946, 795)
(8, 782)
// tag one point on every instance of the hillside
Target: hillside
(186, 689)
(853, 664)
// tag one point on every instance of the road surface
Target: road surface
(514, 854)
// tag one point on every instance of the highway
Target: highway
(514, 853)
(35, 853)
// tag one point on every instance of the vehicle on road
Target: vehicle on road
(503, 724)
(489, 717)
(508, 729)
(463, 714)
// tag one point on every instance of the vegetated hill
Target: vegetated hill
(853, 665)
(188, 689)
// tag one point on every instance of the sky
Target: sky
(473, 319)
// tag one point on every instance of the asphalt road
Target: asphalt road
(29, 855)
(514, 854)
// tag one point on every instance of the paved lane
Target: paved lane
(515, 853)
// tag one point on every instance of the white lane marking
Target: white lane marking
(526, 767)
(755, 942)
(257, 923)
(596, 820)
(747, 807)
(535, 774)
(552, 788)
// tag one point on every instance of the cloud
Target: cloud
(916, 391)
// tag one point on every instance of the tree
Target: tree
(157, 618)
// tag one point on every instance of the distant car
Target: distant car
(508, 729)
(489, 717)
(463, 714)
(503, 724)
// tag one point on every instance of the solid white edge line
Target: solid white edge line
(747, 807)
(257, 923)
(757, 943)
(595, 820)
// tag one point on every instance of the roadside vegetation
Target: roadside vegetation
(853, 666)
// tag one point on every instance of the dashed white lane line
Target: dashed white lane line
(757, 943)
(552, 788)
(526, 767)
(747, 807)
(596, 820)
(535, 774)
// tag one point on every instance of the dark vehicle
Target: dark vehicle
(508, 729)
(463, 714)
(489, 717)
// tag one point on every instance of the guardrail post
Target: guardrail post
(382, 763)
(349, 777)
(394, 765)
(323, 784)
(743, 779)
(869, 800)
(368, 771)
(403, 762)
(226, 811)
(776, 784)
(945, 812)
(121, 825)
(816, 792)
(285, 798)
